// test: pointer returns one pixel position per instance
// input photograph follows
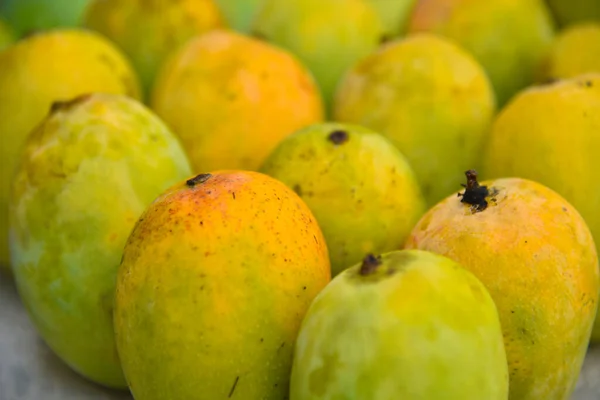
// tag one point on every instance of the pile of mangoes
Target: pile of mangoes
(305, 199)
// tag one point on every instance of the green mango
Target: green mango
(239, 13)
(394, 14)
(361, 189)
(7, 36)
(408, 325)
(85, 176)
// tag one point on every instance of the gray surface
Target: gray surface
(30, 371)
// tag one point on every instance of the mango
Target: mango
(536, 256)
(508, 37)
(362, 191)
(569, 12)
(408, 325)
(7, 36)
(149, 30)
(430, 98)
(231, 98)
(239, 14)
(86, 174)
(215, 280)
(576, 51)
(557, 126)
(327, 36)
(394, 15)
(35, 72)
(27, 16)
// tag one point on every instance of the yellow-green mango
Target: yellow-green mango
(431, 98)
(149, 30)
(239, 14)
(408, 325)
(361, 189)
(508, 37)
(43, 68)
(214, 283)
(394, 14)
(7, 36)
(87, 173)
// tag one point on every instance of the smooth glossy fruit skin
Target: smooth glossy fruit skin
(419, 327)
(362, 191)
(430, 98)
(86, 174)
(149, 30)
(239, 14)
(232, 98)
(569, 12)
(53, 66)
(7, 36)
(508, 37)
(576, 51)
(214, 282)
(549, 134)
(394, 14)
(27, 16)
(536, 256)
(327, 36)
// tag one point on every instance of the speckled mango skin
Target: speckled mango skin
(430, 98)
(536, 256)
(557, 126)
(327, 36)
(239, 14)
(47, 67)
(569, 12)
(87, 173)
(576, 51)
(7, 36)
(508, 37)
(213, 286)
(362, 191)
(232, 98)
(419, 327)
(149, 30)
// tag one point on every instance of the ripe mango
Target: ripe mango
(556, 125)
(39, 15)
(239, 14)
(149, 30)
(536, 256)
(362, 191)
(576, 51)
(86, 174)
(508, 37)
(407, 325)
(35, 72)
(394, 15)
(7, 36)
(232, 98)
(569, 12)
(430, 98)
(327, 36)
(214, 283)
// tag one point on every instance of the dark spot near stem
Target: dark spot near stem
(262, 340)
(65, 105)
(198, 179)
(549, 81)
(369, 264)
(303, 287)
(237, 378)
(385, 38)
(281, 347)
(258, 35)
(474, 193)
(31, 32)
(233, 195)
(298, 190)
(564, 209)
(338, 137)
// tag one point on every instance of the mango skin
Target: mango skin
(430, 98)
(557, 126)
(400, 333)
(394, 14)
(508, 37)
(232, 98)
(569, 12)
(576, 51)
(327, 36)
(36, 71)
(27, 16)
(214, 282)
(239, 14)
(149, 30)
(7, 36)
(86, 174)
(536, 256)
(362, 191)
